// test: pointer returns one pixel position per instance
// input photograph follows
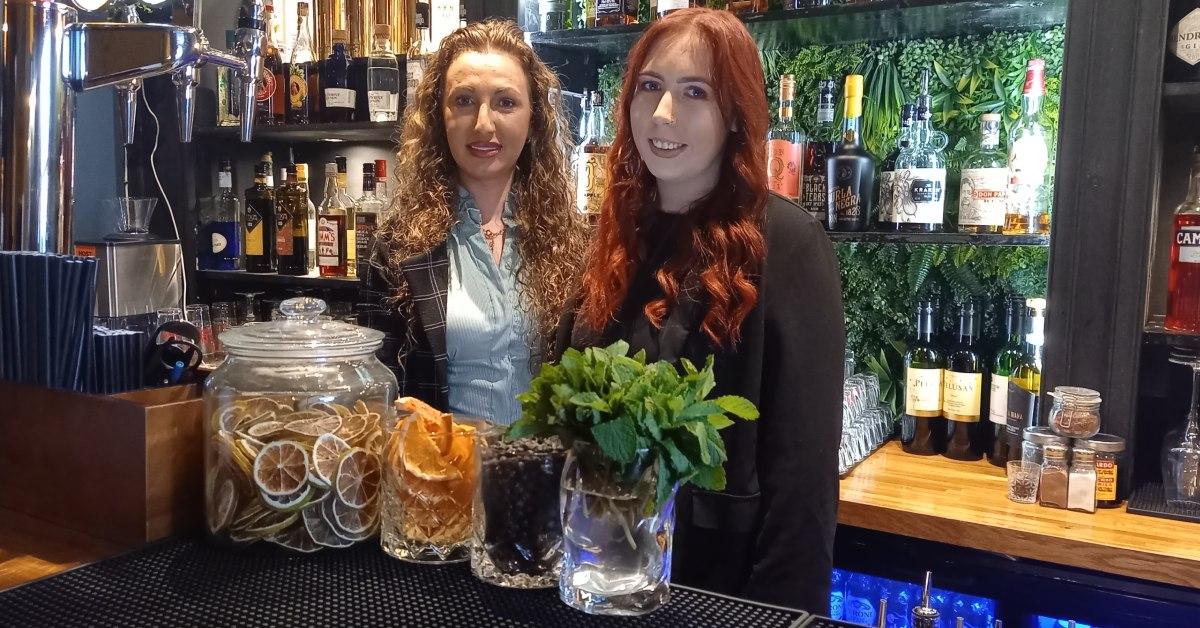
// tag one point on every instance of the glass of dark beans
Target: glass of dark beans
(517, 532)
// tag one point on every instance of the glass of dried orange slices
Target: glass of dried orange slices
(295, 432)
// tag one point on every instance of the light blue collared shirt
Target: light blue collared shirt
(486, 323)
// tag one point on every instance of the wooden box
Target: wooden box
(127, 468)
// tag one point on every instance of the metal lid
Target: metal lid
(1045, 436)
(1083, 454)
(1107, 443)
(1056, 451)
(303, 333)
(1076, 395)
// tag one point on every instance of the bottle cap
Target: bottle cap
(908, 113)
(597, 99)
(990, 117)
(854, 93)
(302, 172)
(340, 161)
(330, 168)
(341, 36)
(1035, 77)
(383, 30)
(380, 168)
(368, 169)
(787, 87)
(302, 9)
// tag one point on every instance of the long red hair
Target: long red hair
(719, 249)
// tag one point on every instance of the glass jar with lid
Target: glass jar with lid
(1110, 459)
(1034, 441)
(1075, 412)
(294, 424)
(1052, 489)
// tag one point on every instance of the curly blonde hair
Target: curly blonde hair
(553, 236)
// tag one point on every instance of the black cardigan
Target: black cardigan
(769, 535)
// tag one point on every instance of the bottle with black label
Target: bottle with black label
(366, 220)
(814, 186)
(1183, 41)
(920, 179)
(1025, 385)
(962, 388)
(1006, 442)
(851, 171)
(922, 428)
(291, 241)
(259, 223)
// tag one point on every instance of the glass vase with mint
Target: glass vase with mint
(634, 433)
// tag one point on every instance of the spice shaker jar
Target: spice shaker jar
(293, 429)
(1110, 458)
(517, 531)
(1035, 441)
(1075, 412)
(1052, 489)
(1081, 486)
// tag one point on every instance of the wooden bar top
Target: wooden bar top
(966, 504)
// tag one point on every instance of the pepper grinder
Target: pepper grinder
(924, 615)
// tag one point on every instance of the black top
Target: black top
(769, 535)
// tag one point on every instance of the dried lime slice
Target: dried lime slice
(323, 408)
(341, 410)
(327, 452)
(263, 526)
(289, 503)
(265, 429)
(360, 407)
(296, 538)
(313, 428)
(319, 530)
(228, 450)
(357, 479)
(222, 506)
(281, 468)
(336, 514)
(353, 426)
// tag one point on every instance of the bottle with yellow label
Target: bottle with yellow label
(592, 160)
(258, 223)
(962, 389)
(922, 428)
(298, 101)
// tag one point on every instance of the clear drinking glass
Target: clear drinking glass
(1023, 479)
(517, 532)
(1181, 451)
(430, 471)
(247, 307)
(200, 316)
(224, 317)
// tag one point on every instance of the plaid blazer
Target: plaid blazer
(414, 345)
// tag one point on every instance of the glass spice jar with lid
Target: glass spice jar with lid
(1052, 489)
(1081, 485)
(293, 430)
(1034, 441)
(1075, 412)
(1110, 458)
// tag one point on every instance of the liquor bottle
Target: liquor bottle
(887, 177)
(418, 52)
(920, 177)
(1183, 278)
(366, 219)
(269, 94)
(338, 103)
(381, 186)
(616, 12)
(331, 228)
(1025, 384)
(1183, 41)
(298, 110)
(229, 89)
(269, 159)
(584, 13)
(851, 170)
(343, 191)
(785, 146)
(291, 235)
(962, 389)
(922, 428)
(220, 227)
(984, 184)
(861, 597)
(1028, 159)
(1008, 357)
(310, 228)
(383, 78)
(554, 15)
(592, 168)
(259, 223)
(814, 185)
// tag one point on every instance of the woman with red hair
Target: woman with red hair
(693, 256)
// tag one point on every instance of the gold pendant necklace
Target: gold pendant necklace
(491, 236)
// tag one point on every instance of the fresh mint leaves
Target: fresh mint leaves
(623, 406)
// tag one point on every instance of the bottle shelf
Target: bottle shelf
(845, 23)
(1182, 97)
(979, 239)
(1155, 334)
(320, 132)
(268, 279)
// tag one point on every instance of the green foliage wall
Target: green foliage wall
(973, 74)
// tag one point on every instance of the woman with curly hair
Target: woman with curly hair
(695, 257)
(481, 245)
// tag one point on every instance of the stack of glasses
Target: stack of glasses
(866, 424)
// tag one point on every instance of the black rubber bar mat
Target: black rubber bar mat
(185, 582)
(1150, 500)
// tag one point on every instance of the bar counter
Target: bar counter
(966, 504)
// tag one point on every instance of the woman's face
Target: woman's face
(486, 108)
(675, 119)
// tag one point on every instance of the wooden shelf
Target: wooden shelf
(966, 504)
(1182, 97)
(267, 279)
(846, 23)
(383, 132)
(980, 239)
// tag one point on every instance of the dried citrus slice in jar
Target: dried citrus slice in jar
(421, 455)
(356, 481)
(281, 468)
(327, 452)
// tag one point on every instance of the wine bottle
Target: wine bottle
(1008, 357)
(922, 428)
(962, 389)
(1025, 384)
